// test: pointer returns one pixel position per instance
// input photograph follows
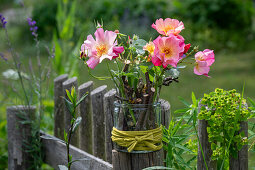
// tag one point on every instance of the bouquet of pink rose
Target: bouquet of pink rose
(143, 67)
(157, 61)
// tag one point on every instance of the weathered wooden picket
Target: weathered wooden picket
(92, 142)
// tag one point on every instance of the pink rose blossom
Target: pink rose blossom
(150, 47)
(167, 50)
(168, 26)
(105, 46)
(206, 55)
(204, 59)
(201, 68)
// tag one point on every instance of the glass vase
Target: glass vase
(136, 117)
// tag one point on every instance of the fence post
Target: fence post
(85, 111)
(206, 146)
(241, 162)
(67, 85)
(109, 111)
(165, 112)
(138, 161)
(18, 158)
(98, 124)
(58, 106)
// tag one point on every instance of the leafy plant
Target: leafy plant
(180, 138)
(65, 47)
(224, 110)
(32, 91)
(71, 104)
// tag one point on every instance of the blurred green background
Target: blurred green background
(226, 26)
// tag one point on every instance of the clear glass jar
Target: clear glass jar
(136, 117)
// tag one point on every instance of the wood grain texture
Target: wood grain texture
(241, 162)
(165, 112)
(109, 111)
(85, 110)
(55, 154)
(206, 146)
(165, 116)
(98, 124)
(67, 85)
(59, 118)
(136, 161)
(18, 133)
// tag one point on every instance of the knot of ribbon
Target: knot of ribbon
(150, 140)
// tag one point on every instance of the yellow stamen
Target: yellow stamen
(167, 51)
(101, 49)
(167, 28)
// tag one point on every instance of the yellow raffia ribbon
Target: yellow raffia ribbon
(149, 140)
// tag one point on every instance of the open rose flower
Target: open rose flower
(105, 46)
(167, 50)
(168, 26)
(204, 59)
(150, 47)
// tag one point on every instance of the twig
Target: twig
(149, 110)
(141, 116)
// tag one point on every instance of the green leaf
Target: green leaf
(194, 100)
(181, 110)
(73, 94)
(58, 55)
(76, 123)
(143, 68)
(70, 158)
(183, 101)
(69, 105)
(82, 98)
(192, 159)
(69, 96)
(73, 91)
(177, 126)
(62, 167)
(251, 101)
(183, 148)
(65, 136)
(138, 45)
(66, 32)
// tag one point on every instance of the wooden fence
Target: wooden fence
(92, 141)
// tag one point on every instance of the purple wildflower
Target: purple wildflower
(33, 27)
(2, 19)
(2, 56)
